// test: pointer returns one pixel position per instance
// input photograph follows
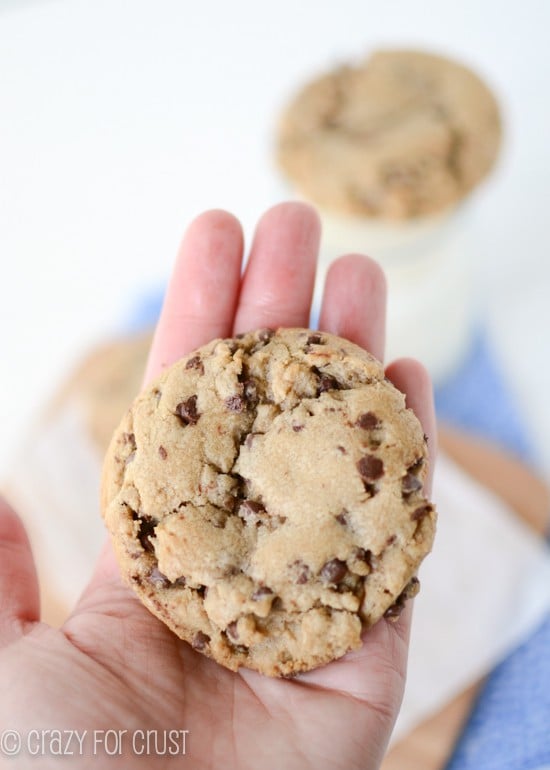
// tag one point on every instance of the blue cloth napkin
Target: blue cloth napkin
(509, 727)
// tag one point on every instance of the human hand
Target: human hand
(112, 665)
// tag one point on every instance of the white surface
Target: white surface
(455, 642)
(121, 119)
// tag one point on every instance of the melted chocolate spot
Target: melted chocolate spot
(334, 571)
(419, 513)
(315, 339)
(187, 411)
(368, 421)
(370, 468)
(365, 555)
(200, 641)
(146, 530)
(195, 363)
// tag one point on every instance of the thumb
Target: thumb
(19, 597)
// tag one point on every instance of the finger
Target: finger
(278, 282)
(412, 379)
(202, 293)
(354, 302)
(19, 596)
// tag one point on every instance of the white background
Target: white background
(122, 119)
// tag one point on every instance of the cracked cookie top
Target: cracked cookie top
(265, 498)
(401, 135)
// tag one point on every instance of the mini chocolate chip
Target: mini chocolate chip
(370, 468)
(235, 403)
(158, 579)
(200, 640)
(297, 428)
(232, 632)
(370, 489)
(202, 591)
(410, 483)
(179, 582)
(261, 593)
(334, 571)
(315, 339)
(368, 421)
(248, 507)
(341, 449)
(195, 363)
(391, 540)
(325, 381)
(146, 530)
(187, 411)
(342, 517)
(420, 512)
(163, 453)
(365, 555)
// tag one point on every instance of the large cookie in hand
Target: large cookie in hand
(265, 498)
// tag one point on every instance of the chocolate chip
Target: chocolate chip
(419, 513)
(297, 428)
(129, 438)
(325, 382)
(163, 453)
(341, 449)
(251, 507)
(235, 403)
(315, 339)
(342, 517)
(365, 555)
(200, 640)
(410, 483)
(158, 579)
(202, 591)
(370, 468)
(232, 632)
(261, 593)
(146, 530)
(334, 571)
(368, 421)
(391, 540)
(195, 363)
(187, 411)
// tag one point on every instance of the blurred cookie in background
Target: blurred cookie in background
(390, 150)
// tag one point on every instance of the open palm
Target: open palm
(113, 666)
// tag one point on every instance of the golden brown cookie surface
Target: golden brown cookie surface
(265, 498)
(401, 135)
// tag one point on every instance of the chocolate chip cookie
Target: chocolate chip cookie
(265, 499)
(400, 135)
